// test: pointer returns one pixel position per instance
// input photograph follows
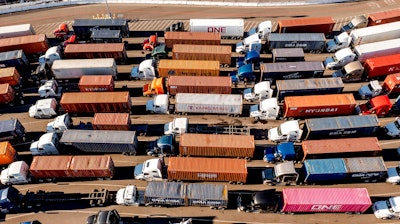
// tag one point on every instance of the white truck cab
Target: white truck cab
(127, 196)
(46, 145)
(52, 54)
(45, 108)
(260, 91)
(392, 129)
(338, 42)
(387, 209)
(393, 175)
(150, 170)
(60, 124)
(267, 109)
(245, 45)
(145, 70)
(159, 104)
(176, 127)
(50, 89)
(339, 59)
(287, 131)
(16, 173)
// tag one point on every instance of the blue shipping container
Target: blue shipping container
(324, 170)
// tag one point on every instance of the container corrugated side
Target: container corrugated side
(223, 145)
(9, 75)
(111, 121)
(7, 153)
(207, 169)
(377, 49)
(306, 25)
(50, 166)
(165, 193)
(168, 68)
(201, 38)
(96, 83)
(383, 17)
(30, 44)
(324, 170)
(366, 168)
(212, 195)
(384, 65)
(219, 53)
(392, 84)
(91, 166)
(199, 84)
(95, 50)
(325, 200)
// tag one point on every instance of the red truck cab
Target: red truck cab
(379, 105)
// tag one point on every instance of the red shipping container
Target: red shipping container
(306, 25)
(50, 166)
(202, 52)
(383, 17)
(91, 166)
(391, 85)
(319, 105)
(96, 83)
(7, 93)
(207, 169)
(383, 65)
(9, 75)
(31, 44)
(199, 84)
(112, 121)
(297, 200)
(197, 38)
(96, 50)
(96, 102)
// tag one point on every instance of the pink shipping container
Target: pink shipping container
(112, 121)
(96, 83)
(50, 166)
(91, 166)
(203, 52)
(241, 146)
(347, 200)
(198, 38)
(199, 84)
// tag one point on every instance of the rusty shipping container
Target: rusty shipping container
(207, 169)
(7, 93)
(91, 166)
(199, 84)
(221, 145)
(7, 153)
(203, 52)
(96, 50)
(10, 75)
(167, 68)
(197, 38)
(342, 147)
(31, 44)
(96, 83)
(50, 166)
(306, 25)
(111, 121)
(96, 102)
(319, 105)
(383, 17)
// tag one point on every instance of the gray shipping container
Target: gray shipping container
(300, 87)
(101, 141)
(341, 126)
(292, 70)
(212, 195)
(15, 59)
(165, 193)
(310, 42)
(12, 130)
(287, 54)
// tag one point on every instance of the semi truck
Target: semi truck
(188, 103)
(97, 50)
(390, 87)
(341, 58)
(229, 170)
(12, 130)
(379, 105)
(200, 38)
(392, 129)
(387, 209)
(96, 83)
(44, 108)
(32, 45)
(291, 70)
(260, 91)
(221, 53)
(16, 30)
(53, 167)
(306, 25)
(309, 42)
(167, 68)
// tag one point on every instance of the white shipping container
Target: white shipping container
(16, 30)
(377, 49)
(76, 68)
(208, 103)
(229, 28)
(371, 34)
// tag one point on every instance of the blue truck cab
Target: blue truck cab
(279, 153)
(251, 57)
(162, 146)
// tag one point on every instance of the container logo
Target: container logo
(292, 76)
(295, 45)
(321, 110)
(207, 175)
(205, 202)
(326, 207)
(220, 29)
(343, 132)
(365, 175)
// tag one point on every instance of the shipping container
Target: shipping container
(221, 145)
(112, 121)
(16, 30)
(377, 49)
(91, 166)
(343, 170)
(309, 42)
(207, 169)
(287, 54)
(12, 130)
(7, 93)
(341, 147)
(221, 53)
(7, 153)
(15, 59)
(106, 36)
(100, 141)
(30, 45)
(167, 68)
(306, 200)
(319, 105)
(50, 166)
(97, 50)
(301, 87)
(228, 28)
(341, 126)
(306, 25)
(383, 17)
(197, 38)
(391, 85)
(381, 66)
(211, 195)
(76, 68)
(96, 102)
(96, 83)
(83, 27)
(10, 76)
(165, 193)
(199, 84)
(292, 70)
(375, 33)
(209, 103)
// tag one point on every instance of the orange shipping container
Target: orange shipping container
(318, 105)
(207, 169)
(96, 102)
(306, 25)
(96, 83)
(241, 146)
(91, 166)
(9, 75)
(96, 50)
(391, 85)
(50, 166)
(7, 153)
(7, 93)
(111, 121)
(31, 44)
(221, 53)
(198, 38)
(199, 84)
(383, 17)
(168, 68)
(341, 148)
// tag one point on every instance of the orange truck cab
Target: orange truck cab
(379, 105)
(61, 31)
(157, 86)
(150, 43)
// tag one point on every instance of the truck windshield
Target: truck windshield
(368, 105)
(279, 131)
(389, 205)
(397, 124)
